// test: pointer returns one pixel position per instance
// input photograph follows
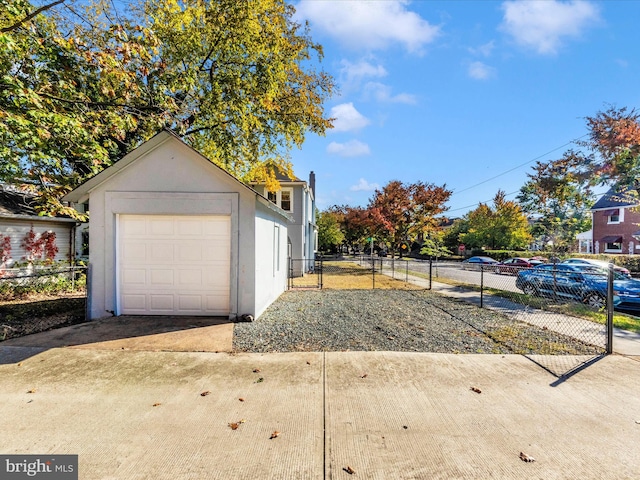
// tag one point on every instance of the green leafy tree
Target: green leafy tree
(505, 226)
(330, 237)
(81, 87)
(559, 197)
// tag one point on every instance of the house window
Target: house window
(285, 200)
(614, 247)
(613, 216)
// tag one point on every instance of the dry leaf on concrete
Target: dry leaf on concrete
(349, 470)
(260, 380)
(241, 399)
(205, 393)
(33, 390)
(256, 370)
(156, 404)
(275, 434)
(234, 425)
(477, 390)
(526, 458)
(364, 375)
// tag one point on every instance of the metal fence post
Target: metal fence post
(321, 269)
(406, 271)
(430, 273)
(481, 286)
(610, 309)
(373, 272)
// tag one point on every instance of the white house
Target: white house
(18, 218)
(171, 233)
(297, 198)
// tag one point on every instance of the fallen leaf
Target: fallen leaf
(241, 399)
(156, 404)
(260, 380)
(205, 393)
(33, 390)
(349, 470)
(405, 427)
(256, 370)
(308, 363)
(364, 375)
(526, 458)
(234, 425)
(477, 390)
(274, 435)
(20, 364)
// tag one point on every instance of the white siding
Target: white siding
(17, 229)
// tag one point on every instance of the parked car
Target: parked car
(382, 253)
(538, 260)
(512, 265)
(583, 283)
(596, 263)
(476, 263)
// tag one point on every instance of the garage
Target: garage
(173, 234)
(174, 265)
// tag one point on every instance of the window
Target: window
(615, 247)
(285, 200)
(613, 216)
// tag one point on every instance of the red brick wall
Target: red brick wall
(629, 225)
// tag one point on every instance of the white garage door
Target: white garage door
(174, 265)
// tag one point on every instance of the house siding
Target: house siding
(18, 228)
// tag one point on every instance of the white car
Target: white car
(596, 263)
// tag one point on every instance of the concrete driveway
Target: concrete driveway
(176, 334)
(381, 415)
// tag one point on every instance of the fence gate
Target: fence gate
(305, 273)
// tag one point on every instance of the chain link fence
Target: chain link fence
(48, 280)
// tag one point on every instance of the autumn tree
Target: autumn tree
(559, 197)
(81, 87)
(403, 211)
(330, 237)
(503, 226)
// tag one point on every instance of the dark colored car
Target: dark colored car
(582, 283)
(476, 263)
(513, 265)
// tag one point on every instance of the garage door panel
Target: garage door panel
(134, 302)
(161, 303)
(134, 276)
(161, 276)
(174, 265)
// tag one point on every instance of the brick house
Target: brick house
(616, 224)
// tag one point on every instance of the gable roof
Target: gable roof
(616, 198)
(81, 193)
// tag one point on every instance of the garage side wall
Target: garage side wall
(271, 257)
(170, 180)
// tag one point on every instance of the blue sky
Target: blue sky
(463, 93)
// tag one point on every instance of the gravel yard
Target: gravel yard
(392, 320)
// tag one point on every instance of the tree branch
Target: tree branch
(35, 13)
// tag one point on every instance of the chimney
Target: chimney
(312, 183)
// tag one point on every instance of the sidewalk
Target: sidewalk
(384, 415)
(624, 342)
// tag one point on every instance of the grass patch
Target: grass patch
(350, 275)
(575, 309)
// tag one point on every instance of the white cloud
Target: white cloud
(369, 25)
(352, 148)
(382, 93)
(480, 71)
(364, 186)
(355, 72)
(542, 25)
(347, 118)
(484, 50)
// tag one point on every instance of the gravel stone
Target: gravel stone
(392, 320)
